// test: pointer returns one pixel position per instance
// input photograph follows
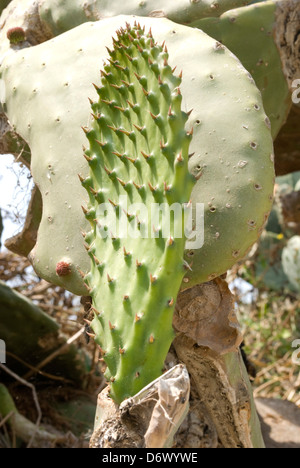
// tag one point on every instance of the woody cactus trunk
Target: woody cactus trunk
(168, 118)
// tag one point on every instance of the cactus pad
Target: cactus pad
(249, 33)
(138, 158)
(231, 150)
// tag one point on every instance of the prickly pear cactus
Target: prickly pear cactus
(62, 15)
(291, 261)
(249, 33)
(138, 156)
(231, 153)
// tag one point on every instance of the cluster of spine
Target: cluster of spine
(138, 152)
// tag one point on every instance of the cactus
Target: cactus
(291, 262)
(61, 16)
(138, 152)
(249, 33)
(232, 144)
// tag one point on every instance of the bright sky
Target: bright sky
(15, 189)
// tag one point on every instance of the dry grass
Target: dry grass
(271, 322)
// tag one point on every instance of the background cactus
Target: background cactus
(291, 261)
(60, 16)
(249, 33)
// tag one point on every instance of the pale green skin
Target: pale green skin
(248, 33)
(63, 15)
(224, 100)
(291, 261)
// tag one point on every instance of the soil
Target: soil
(280, 421)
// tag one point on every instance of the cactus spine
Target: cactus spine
(138, 154)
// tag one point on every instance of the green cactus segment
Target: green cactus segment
(138, 152)
(248, 33)
(61, 15)
(231, 150)
(291, 262)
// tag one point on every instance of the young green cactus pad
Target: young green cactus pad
(138, 157)
(230, 153)
(249, 33)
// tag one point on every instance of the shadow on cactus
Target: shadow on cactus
(138, 156)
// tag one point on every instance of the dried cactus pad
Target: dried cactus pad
(231, 149)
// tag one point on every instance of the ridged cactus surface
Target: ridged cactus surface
(138, 158)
